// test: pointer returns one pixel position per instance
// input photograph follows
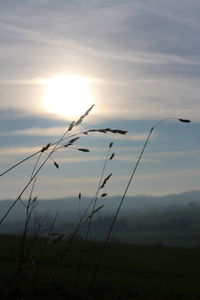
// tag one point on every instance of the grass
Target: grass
(126, 272)
(31, 267)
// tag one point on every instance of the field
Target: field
(126, 271)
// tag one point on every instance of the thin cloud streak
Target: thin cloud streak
(56, 131)
(169, 13)
(13, 151)
(162, 175)
(36, 131)
(122, 158)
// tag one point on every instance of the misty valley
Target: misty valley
(172, 220)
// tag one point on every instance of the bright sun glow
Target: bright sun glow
(68, 96)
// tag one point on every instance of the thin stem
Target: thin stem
(36, 164)
(28, 213)
(32, 178)
(163, 120)
(97, 193)
(61, 147)
(80, 224)
(20, 162)
(91, 219)
(125, 192)
(118, 209)
(37, 152)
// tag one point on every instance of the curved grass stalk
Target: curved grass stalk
(124, 195)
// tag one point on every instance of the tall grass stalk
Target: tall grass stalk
(124, 195)
(30, 207)
(32, 203)
(96, 197)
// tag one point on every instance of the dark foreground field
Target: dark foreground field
(126, 272)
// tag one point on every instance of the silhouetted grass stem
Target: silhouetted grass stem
(125, 192)
(118, 209)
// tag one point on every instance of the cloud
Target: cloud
(184, 14)
(36, 131)
(161, 175)
(171, 174)
(94, 158)
(31, 81)
(183, 153)
(18, 151)
(58, 131)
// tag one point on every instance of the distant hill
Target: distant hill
(170, 220)
(71, 207)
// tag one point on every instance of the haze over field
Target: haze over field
(71, 208)
(137, 61)
(172, 220)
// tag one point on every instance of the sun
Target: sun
(67, 95)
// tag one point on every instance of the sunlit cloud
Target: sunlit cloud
(133, 67)
(18, 151)
(36, 131)
(58, 131)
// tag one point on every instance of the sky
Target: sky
(136, 61)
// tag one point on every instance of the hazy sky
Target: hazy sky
(141, 63)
